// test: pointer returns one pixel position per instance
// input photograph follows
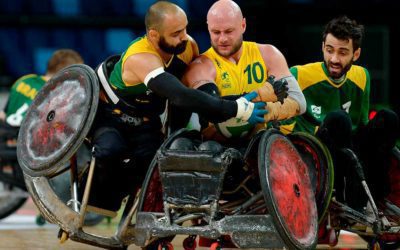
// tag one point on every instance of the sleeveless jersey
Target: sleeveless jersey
(236, 79)
(137, 94)
(21, 95)
(175, 66)
(323, 96)
(233, 79)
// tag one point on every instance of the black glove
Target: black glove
(280, 87)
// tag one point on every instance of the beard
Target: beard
(170, 49)
(342, 72)
(235, 48)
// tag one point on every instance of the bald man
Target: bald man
(233, 67)
(127, 131)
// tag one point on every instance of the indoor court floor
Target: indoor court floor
(20, 231)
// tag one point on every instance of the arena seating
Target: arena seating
(26, 46)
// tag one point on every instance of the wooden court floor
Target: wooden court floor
(20, 231)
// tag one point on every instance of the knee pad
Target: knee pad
(336, 129)
(212, 146)
(182, 143)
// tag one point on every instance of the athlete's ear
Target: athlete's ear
(357, 54)
(154, 35)
(244, 24)
(323, 45)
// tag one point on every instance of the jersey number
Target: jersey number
(346, 106)
(16, 118)
(254, 71)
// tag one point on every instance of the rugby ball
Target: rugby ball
(234, 128)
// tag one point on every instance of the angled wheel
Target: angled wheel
(58, 121)
(12, 196)
(287, 190)
(394, 177)
(54, 127)
(320, 167)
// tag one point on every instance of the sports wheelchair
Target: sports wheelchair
(271, 192)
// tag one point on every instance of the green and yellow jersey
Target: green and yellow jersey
(236, 79)
(324, 95)
(137, 94)
(21, 95)
(175, 66)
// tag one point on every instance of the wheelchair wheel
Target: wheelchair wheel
(58, 121)
(151, 195)
(320, 167)
(394, 177)
(12, 197)
(287, 190)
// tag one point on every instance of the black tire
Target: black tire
(12, 197)
(92, 219)
(9, 204)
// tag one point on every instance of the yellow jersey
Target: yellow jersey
(176, 65)
(233, 79)
(243, 77)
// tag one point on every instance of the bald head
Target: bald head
(158, 12)
(226, 26)
(224, 9)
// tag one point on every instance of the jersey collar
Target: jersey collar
(335, 82)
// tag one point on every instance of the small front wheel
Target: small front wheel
(215, 246)
(189, 243)
(165, 246)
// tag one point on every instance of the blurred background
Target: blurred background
(30, 30)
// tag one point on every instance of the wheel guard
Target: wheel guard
(287, 190)
(58, 121)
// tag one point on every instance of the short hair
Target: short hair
(344, 28)
(155, 14)
(62, 58)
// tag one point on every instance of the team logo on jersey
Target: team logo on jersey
(226, 81)
(316, 111)
(225, 76)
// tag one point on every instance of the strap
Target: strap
(106, 86)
